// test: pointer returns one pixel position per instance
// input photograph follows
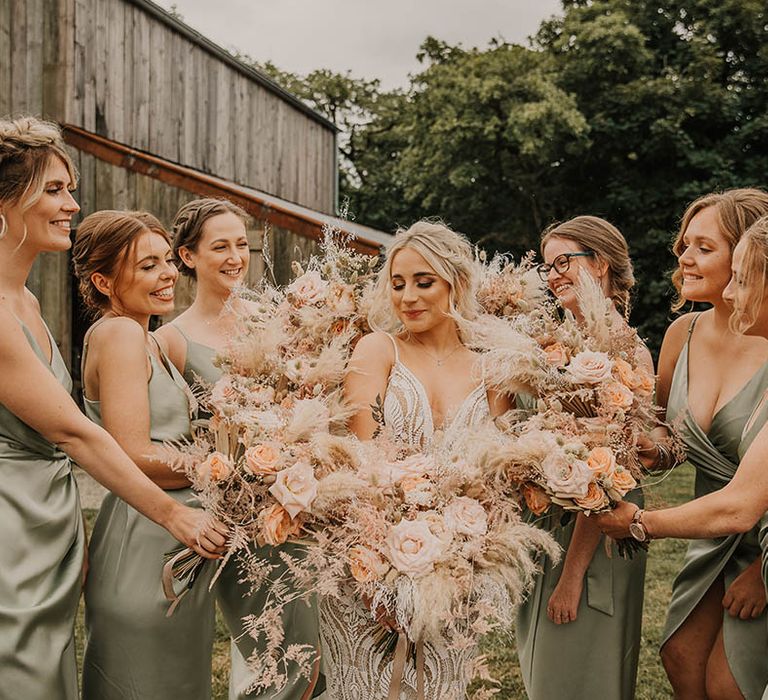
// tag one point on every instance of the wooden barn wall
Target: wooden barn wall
(141, 83)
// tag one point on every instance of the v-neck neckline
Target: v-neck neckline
(425, 399)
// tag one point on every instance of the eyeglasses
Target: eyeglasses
(561, 263)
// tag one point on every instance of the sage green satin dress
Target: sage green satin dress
(135, 652)
(41, 557)
(235, 602)
(595, 656)
(715, 456)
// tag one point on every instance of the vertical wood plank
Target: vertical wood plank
(6, 38)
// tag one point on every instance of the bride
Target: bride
(426, 380)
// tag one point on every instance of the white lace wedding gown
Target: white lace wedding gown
(355, 667)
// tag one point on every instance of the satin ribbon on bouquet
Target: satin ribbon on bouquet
(398, 668)
(182, 564)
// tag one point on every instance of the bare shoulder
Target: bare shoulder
(169, 337)
(32, 300)
(118, 333)
(375, 347)
(675, 337)
(12, 339)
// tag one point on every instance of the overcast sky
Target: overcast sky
(372, 38)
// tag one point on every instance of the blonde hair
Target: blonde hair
(449, 254)
(736, 211)
(602, 238)
(27, 145)
(754, 270)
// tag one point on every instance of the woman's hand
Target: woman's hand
(199, 531)
(745, 597)
(616, 523)
(563, 605)
(647, 451)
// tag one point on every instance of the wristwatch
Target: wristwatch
(636, 527)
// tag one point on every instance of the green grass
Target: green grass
(664, 561)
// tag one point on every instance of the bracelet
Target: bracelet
(665, 460)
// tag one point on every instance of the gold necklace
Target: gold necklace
(439, 360)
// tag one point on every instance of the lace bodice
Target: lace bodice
(407, 412)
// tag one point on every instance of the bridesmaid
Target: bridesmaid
(124, 264)
(591, 603)
(715, 643)
(734, 509)
(211, 245)
(41, 428)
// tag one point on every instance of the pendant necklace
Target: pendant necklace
(439, 360)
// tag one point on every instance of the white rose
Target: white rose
(566, 478)
(413, 549)
(295, 488)
(466, 516)
(590, 367)
(308, 289)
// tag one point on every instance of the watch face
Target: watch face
(637, 531)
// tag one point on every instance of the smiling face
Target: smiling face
(420, 297)
(221, 257)
(45, 226)
(143, 285)
(564, 284)
(705, 261)
(746, 291)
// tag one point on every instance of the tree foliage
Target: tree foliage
(627, 109)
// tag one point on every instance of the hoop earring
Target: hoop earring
(3, 226)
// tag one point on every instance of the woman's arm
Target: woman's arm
(366, 381)
(733, 509)
(31, 392)
(118, 349)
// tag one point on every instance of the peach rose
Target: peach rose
(594, 500)
(276, 525)
(413, 549)
(590, 367)
(646, 382)
(601, 461)
(624, 373)
(365, 565)
(616, 396)
(310, 288)
(295, 488)
(536, 498)
(216, 467)
(557, 354)
(622, 480)
(262, 459)
(466, 516)
(566, 478)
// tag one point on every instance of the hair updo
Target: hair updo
(188, 224)
(103, 243)
(754, 273)
(736, 209)
(449, 254)
(602, 238)
(27, 145)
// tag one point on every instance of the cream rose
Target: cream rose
(417, 490)
(262, 459)
(276, 525)
(295, 488)
(590, 367)
(410, 467)
(536, 499)
(466, 516)
(601, 461)
(594, 500)
(310, 288)
(216, 467)
(341, 299)
(413, 549)
(365, 565)
(566, 478)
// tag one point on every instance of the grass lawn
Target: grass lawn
(663, 563)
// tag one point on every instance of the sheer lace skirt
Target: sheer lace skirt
(358, 669)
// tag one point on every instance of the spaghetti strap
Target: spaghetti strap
(693, 323)
(178, 328)
(394, 345)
